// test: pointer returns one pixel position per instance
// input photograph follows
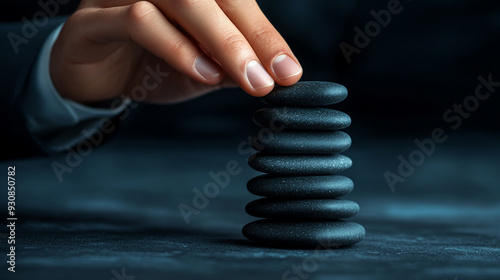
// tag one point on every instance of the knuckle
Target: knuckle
(265, 36)
(141, 12)
(234, 43)
(234, 5)
(179, 48)
(186, 3)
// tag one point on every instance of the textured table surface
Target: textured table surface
(116, 216)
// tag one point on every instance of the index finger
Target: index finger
(206, 23)
(267, 42)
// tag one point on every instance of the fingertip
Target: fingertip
(260, 92)
(257, 76)
(287, 70)
(207, 71)
(290, 81)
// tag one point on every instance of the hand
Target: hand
(106, 46)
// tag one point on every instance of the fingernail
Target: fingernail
(258, 76)
(285, 67)
(206, 68)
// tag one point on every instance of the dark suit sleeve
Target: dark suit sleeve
(18, 52)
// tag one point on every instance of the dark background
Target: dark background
(118, 208)
(427, 59)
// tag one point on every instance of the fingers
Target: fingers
(238, 35)
(271, 48)
(210, 27)
(234, 33)
(146, 26)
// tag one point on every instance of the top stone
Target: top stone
(306, 94)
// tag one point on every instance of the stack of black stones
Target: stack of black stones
(300, 153)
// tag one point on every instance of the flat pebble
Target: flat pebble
(299, 142)
(285, 118)
(299, 164)
(325, 186)
(305, 234)
(301, 209)
(306, 94)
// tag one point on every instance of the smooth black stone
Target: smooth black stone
(326, 186)
(299, 142)
(299, 164)
(306, 94)
(302, 209)
(304, 234)
(284, 118)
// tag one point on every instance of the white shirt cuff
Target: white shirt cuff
(47, 113)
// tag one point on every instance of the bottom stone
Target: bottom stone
(304, 234)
